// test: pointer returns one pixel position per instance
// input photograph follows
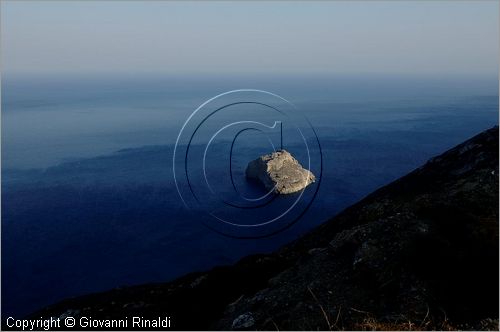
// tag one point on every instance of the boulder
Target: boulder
(244, 321)
(281, 172)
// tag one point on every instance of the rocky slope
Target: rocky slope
(420, 253)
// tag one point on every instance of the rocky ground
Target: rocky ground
(420, 253)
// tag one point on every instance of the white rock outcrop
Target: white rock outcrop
(280, 171)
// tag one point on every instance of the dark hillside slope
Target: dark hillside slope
(420, 253)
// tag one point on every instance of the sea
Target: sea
(104, 177)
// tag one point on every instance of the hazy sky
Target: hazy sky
(327, 36)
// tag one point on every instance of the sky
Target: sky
(391, 37)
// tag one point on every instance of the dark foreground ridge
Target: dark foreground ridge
(419, 253)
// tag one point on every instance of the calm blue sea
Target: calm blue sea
(88, 197)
